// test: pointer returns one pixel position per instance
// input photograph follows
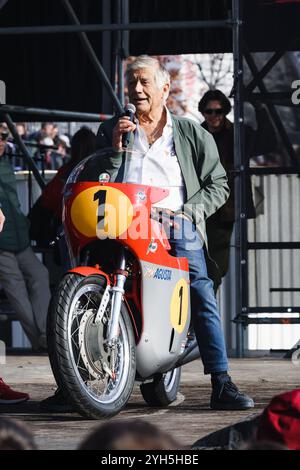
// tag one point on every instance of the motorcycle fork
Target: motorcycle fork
(116, 300)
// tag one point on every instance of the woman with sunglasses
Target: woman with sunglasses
(215, 106)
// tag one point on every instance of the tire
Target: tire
(79, 357)
(163, 389)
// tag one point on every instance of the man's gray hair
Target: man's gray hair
(162, 76)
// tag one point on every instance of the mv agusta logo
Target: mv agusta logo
(158, 273)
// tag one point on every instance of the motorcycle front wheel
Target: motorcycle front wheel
(98, 378)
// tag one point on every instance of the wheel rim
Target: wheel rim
(169, 379)
(90, 356)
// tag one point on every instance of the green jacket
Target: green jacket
(204, 177)
(14, 236)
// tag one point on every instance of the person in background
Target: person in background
(18, 160)
(7, 394)
(215, 106)
(30, 144)
(23, 277)
(14, 435)
(83, 144)
(43, 153)
(276, 428)
(46, 130)
(22, 130)
(129, 435)
(10, 151)
(54, 134)
(46, 214)
(60, 156)
(280, 421)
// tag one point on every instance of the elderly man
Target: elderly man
(179, 155)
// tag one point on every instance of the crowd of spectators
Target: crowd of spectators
(49, 149)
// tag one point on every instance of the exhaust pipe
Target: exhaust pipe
(189, 354)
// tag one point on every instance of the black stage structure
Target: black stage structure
(61, 55)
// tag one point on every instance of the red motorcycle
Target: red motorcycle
(122, 313)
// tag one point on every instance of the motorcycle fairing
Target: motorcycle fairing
(82, 221)
(166, 317)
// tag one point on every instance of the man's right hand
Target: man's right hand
(123, 125)
(2, 220)
(164, 216)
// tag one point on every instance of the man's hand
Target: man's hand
(123, 125)
(2, 219)
(165, 217)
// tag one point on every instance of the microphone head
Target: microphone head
(131, 108)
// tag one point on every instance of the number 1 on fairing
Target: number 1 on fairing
(180, 308)
(101, 197)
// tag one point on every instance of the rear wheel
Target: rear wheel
(97, 377)
(163, 389)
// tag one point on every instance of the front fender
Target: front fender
(89, 271)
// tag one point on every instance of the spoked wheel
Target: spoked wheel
(97, 377)
(163, 389)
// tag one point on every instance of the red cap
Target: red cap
(280, 421)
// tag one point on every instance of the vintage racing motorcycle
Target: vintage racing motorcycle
(122, 312)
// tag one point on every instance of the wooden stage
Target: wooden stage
(189, 418)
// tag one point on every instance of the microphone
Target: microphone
(129, 111)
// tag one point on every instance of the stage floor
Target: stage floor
(189, 418)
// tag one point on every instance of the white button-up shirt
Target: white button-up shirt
(157, 165)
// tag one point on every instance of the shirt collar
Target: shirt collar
(169, 122)
(167, 130)
(169, 119)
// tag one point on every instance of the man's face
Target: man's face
(214, 115)
(54, 132)
(48, 129)
(144, 92)
(3, 139)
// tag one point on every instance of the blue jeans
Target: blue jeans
(186, 242)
